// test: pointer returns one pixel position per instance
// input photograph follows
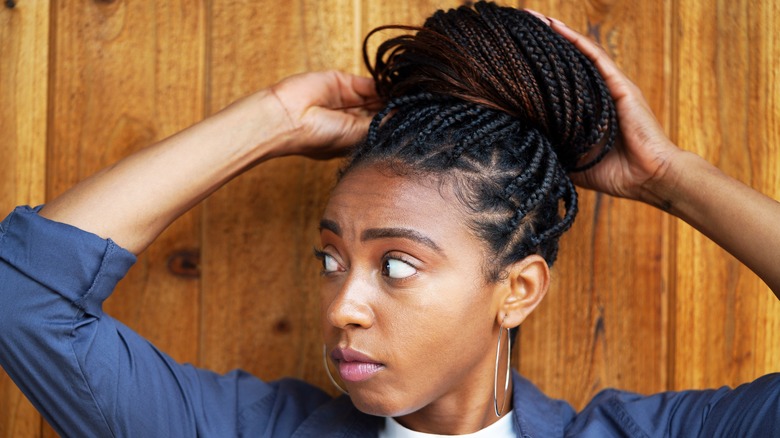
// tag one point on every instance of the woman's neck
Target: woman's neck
(454, 414)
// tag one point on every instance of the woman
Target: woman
(416, 307)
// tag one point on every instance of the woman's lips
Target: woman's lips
(355, 366)
(358, 371)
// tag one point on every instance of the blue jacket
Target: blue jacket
(89, 375)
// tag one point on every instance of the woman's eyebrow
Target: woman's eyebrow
(403, 233)
(332, 226)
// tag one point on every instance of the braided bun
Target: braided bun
(508, 60)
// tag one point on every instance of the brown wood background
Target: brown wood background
(640, 301)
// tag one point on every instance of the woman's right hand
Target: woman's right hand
(317, 115)
(326, 112)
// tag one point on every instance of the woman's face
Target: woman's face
(407, 313)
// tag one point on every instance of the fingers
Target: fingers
(363, 86)
(620, 86)
(593, 51)
(356, 90)
(540, 16)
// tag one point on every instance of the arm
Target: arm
(134, 200)
(91, 376)
(648, 167)
(736, 217)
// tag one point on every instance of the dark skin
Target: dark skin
(362, 308)
(408, 289)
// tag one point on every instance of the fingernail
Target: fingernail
(556, 21)
(538, 15)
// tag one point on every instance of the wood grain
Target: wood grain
(127, 74)
(24, 64)
(604, 320)
(726, 68)
(24, 72)
(260, 303)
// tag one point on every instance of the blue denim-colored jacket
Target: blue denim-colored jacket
(90, 375)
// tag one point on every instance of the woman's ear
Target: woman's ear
(523, 290)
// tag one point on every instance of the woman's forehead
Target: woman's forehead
(369, 197)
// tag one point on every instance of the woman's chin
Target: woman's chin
(380, 405)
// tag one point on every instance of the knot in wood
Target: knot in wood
(185, 263)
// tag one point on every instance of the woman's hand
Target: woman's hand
(327, 112)
(647, 166)
(643, 152)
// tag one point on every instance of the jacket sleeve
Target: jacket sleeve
(88, 374)
(752, 409)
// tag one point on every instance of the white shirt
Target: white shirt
(503, 428)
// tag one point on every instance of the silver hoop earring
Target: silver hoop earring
(495, 374)
(327, 370)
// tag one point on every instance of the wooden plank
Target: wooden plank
(24, 63)
(260, 299)
(18, 417)
(125, 75)
(726, 320)
(604, 320)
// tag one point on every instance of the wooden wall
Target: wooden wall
(640, 301)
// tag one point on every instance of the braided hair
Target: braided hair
(493, 101)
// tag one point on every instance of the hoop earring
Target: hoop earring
(495, 374)
(327, 370)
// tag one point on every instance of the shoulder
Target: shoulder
(294, 408)
(752, 409)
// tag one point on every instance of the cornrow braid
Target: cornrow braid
(492, 101)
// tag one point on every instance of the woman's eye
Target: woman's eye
(395, 268)
(329, 264)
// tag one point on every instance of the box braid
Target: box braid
(493, 101)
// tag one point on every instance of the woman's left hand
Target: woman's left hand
(643, 152)
(647, 166)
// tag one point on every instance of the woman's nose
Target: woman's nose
(350, 306)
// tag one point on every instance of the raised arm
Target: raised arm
(648, 167)
(90, 375)
(134, 200)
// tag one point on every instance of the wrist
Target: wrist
(667, 189)
(258, 123)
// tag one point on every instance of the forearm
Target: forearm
(736, 217)
(134, 200)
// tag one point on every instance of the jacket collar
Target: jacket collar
(535, 415)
